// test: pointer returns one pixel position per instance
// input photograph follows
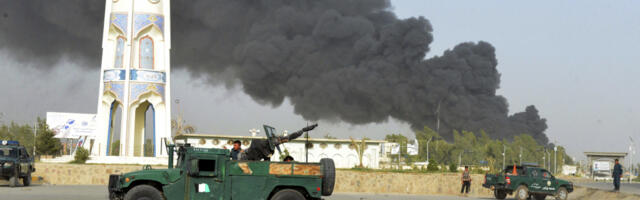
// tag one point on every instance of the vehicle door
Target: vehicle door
(23, 161)
(537, 182)
(547, 181)
(205, 177)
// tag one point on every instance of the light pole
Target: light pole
(35, 129)
(504, 150)
(555, 159)
(428, 148)
(520, 155)
(632, 151)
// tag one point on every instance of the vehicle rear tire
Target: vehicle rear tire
(26, 181)
(143, 192)
(562, 194)
(13, 181)
(539, 196)
(287, 194)
(522, 193)
(328, 176)
(500, 194)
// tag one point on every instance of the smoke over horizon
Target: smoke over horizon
(352, 61)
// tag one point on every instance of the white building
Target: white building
(134, 79)
(340, 150)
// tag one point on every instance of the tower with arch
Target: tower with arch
(134, 107)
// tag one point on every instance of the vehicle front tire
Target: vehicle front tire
(287, 194)
(562, 194)
(522, 193)
(540, 196)
(143, 192)
(500, 194)
(13, 181)
(27, 179)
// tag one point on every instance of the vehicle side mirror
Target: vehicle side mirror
(192, 167)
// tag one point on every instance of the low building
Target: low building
(341, 151)
(600, 164)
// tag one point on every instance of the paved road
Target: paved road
(84, 192)
(631, 188)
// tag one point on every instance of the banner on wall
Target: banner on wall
(72, 125)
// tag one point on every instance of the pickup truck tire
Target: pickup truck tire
(287, 194)
(539, 196)
(26, 180)
(500, 194)
(143, 192)
(328, 176)
(13, 181)
(522, 193)
(562, 194)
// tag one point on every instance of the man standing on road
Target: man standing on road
(466, 180)
(237, 148)
(617, 174)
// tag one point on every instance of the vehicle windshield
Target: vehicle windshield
(8, 152)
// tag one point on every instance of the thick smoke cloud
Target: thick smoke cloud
(348, 60)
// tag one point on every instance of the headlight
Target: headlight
(8, 164)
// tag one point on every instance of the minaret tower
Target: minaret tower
(134, 97)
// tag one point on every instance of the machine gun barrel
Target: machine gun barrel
(297, 134)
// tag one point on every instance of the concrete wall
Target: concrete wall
(346, 180)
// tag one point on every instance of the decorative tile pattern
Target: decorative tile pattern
(115, 88)
(138, 89)
(114, 75)
(143, 20)
(119, 21)
(147, 76)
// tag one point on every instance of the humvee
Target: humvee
(15, 163)
(209, 173)
(525, 181)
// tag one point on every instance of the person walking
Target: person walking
(466, 181)
(617, 174)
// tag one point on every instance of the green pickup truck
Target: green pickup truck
(209, 173)
(526, 182)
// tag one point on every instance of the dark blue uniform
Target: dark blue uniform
(617, 172)
(234, 154)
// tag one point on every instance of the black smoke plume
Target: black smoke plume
(348, 60)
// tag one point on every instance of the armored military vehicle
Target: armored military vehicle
(209, 173)
(15, 163)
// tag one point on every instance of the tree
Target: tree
(46, 143)
(360, 147)
(148, 148)
(115, 148)
(81, 157)
(432, 166)
(180, 126)
(327, 136)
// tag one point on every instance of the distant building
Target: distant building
(340, 150)
(600, 164)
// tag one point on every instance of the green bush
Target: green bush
(453, 167)
(433, 166)
(81, 157)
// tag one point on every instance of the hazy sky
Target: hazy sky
(576, 62)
